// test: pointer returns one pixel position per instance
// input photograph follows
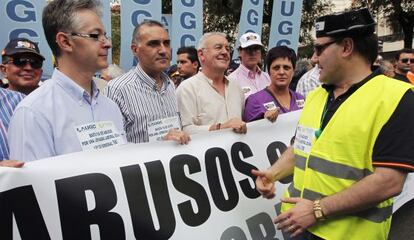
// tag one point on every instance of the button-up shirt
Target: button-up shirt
(141, 102)
(202, 106)
(8, 102)
(250, 81)
(309, 81)
(44, 124)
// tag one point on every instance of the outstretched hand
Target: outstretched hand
(264, 183)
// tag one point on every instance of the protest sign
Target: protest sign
(159, 190)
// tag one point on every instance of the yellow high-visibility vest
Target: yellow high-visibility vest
(342, 155)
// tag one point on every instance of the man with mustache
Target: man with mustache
(208, 101)
(62, 116)
(145, 94)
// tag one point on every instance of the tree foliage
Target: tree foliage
(399, 14)
(224, 16)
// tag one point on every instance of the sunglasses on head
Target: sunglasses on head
(405, 60)
(21, 62)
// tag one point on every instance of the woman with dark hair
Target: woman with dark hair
(277, 98)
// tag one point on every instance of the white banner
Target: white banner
(162, 190)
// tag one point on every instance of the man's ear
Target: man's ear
(3, 69)
(348, 47)
(64, 42)
(134, 48)
(200, 54)
(195, 64)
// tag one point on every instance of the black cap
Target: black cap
(356, 22)
(21, 45)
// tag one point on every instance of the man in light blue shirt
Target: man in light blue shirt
(67, 113)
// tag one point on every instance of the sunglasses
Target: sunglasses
(253, 49)
(319, 48)
(21, 62)
(405, 60)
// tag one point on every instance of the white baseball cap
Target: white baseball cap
(249, 39)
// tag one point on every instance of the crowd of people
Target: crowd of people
(353, 146)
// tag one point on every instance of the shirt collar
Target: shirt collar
(72, 88)
(248, 72)
(144, 78)
(203, 76)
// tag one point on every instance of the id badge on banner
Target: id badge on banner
(159, 128)
(98, 135)
(304, 138)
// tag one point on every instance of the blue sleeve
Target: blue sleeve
(30, 136)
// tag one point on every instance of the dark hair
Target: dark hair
(280, 52)
(59, 16)
(365, 45)
(404, 50)
(191, 52)
(147, 22)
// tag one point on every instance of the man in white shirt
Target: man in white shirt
(248, 75)
(209, 101)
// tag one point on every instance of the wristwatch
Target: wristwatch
(317, 210)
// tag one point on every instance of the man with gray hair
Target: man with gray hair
(208, 101)
(145, 94)
(62, 116)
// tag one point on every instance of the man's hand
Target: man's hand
(271, 115)
(236, 124)
(11, 163)
(297, 219)
(264, 183)
(178, 136)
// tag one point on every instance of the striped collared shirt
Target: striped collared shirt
(8, 102)
(141, 103)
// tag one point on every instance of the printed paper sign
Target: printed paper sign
(304, 138)
(159, 128)
(98, 135)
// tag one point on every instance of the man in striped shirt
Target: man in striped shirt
(145, 94)
(8, 101)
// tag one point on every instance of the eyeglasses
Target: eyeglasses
(96, 36)
(252, 49)
(21, 62)
(319, 48)
(405, 60)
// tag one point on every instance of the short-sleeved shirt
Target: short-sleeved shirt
(44, 123)
(250, 82)
(202, 106)
(8, 102)
(309, 81)
(262, 101)
(141, 102)
(394, 144)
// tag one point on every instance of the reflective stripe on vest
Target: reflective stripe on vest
(332, 169)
